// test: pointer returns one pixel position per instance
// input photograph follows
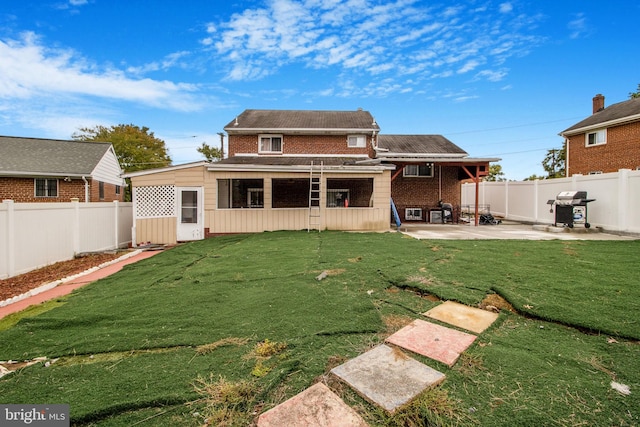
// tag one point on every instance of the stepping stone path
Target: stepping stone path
(385, 375)
(462, 316)
(433, 341)
(316, 406)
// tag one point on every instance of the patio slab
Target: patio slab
(460, 315)
(316, 406)
(433, 341)
(387, 377)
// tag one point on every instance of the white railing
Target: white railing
(616, 207)
(34, 235)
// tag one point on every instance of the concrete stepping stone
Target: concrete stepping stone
(460, 315)
(433, 341)
(387, 376)
(316, 406)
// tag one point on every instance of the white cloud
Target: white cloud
(30, 70)
(577, 26)
(506, 7)
(381, 39)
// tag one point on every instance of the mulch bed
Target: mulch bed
(18, 285)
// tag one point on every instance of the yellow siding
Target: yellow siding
(156, 230)
(163, 230)
(188, 177)
(376, 218)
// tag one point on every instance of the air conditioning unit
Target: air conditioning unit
(413, 214)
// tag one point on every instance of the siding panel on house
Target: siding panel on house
(108, 170)
(157, 230)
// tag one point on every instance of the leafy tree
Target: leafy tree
(495, 173)
(136, 148)
(555, 161)
(635, 94)
(534, 177)
(212, 154)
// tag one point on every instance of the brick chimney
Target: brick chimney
(598, 103)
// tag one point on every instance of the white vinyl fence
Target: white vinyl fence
(34, 235)
(616, 207)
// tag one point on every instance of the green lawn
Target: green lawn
(229, 327)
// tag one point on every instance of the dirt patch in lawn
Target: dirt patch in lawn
(22, 283)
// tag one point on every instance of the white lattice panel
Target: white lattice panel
(155, 201)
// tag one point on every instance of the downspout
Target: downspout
(566, 157)
(86, 189)
(440, 182)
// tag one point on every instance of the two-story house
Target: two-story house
(48, 170)
(606, 141)
(295, 170)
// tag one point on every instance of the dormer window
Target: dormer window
(356, 141)
(598, 137)
(270, 144)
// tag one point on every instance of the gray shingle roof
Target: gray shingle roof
(423, 144)
(302, 119)
(613, 112)
(23, 156)
(288, 161)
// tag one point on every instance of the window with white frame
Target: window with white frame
(596, 138)
(356, 141)
(270, 144)
(424, 170)
(46, 187)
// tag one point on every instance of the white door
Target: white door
(190, 214)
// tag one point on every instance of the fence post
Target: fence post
(116, 224)
(11, 258)
(624, 199)
(506, 199)
(75, 204)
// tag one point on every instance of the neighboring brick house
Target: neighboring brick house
(48, 170)
(606, 141)
(293, 170)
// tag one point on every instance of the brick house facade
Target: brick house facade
(36, 170)
(305, 133)
(606, 141)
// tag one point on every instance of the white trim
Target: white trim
(297, 168)
(311, 131)
(595, 132)
(271, 138)
(165, 169)
(361, 141)
(421, 155)
(607, 124)
(342, 156)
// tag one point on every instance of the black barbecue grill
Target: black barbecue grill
(571, 208)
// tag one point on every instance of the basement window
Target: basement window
(240, 193)
(424, 170)
(598, 137)
(46, 187)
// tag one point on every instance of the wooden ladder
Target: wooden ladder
(315, 191)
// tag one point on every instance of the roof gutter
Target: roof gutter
(296, 169)
(601, 125)
(314, 131)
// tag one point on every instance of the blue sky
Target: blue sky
(498, 78)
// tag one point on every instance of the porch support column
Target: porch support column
(476, 179)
